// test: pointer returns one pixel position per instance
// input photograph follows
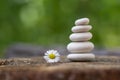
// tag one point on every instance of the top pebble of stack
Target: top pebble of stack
(82, 21)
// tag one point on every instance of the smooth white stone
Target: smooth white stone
(80, 36)
(80, 46)
(82, 28)
(81, 57)
(82, 21)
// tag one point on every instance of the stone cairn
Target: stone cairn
(80, 48)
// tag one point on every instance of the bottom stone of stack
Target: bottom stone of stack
(81, 57)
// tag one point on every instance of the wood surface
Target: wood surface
(36, 68)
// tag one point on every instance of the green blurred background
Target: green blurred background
(48, 22)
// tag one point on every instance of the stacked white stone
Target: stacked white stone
(81, 47)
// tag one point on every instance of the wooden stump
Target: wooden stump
(103, 68)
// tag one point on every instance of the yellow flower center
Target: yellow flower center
(52, 56)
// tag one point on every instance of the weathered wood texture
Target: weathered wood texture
(103, 68)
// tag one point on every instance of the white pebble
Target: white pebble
(80, 36)
(81, 28)
(82, 21)
(81, 57)
(80, 46)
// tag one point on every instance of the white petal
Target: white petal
(46, 57)
(51, 61)
(57, 59)
(46, 53)
(50, 52)
(57, 54)
(54, 51)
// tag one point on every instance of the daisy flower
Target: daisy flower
(52, 56)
